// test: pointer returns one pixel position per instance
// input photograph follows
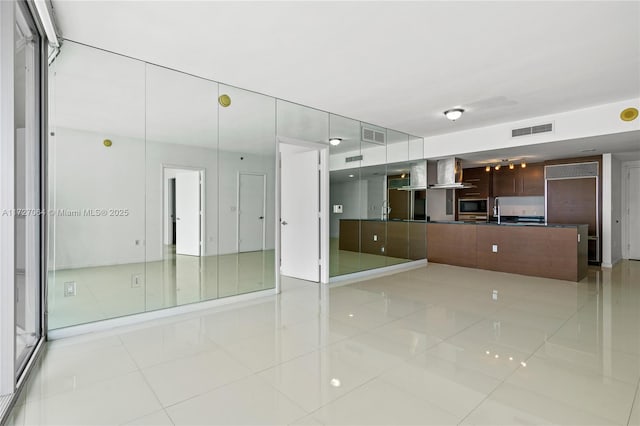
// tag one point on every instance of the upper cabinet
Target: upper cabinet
(479, 179)
(519, 181)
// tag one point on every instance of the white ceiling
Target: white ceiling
(396, 64)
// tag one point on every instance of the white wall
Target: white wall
(85, 174)
(437, 205)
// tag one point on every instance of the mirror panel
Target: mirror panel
(416, 148)
(300, 122)
(96, 187)
(182, 188)
(397, 146)
(247, 161)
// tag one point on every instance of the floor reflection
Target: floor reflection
(112, 291)
(342, 262)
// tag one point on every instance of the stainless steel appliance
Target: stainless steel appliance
(473, 209)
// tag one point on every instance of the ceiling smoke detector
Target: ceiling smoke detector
(454, 113)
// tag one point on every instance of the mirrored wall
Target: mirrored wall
(377, 197)
(161, 188)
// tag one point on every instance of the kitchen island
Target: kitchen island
(404, 239)
(550, 251)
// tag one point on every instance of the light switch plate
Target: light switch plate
(375, 238)
(494, 248)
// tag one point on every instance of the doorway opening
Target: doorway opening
(183, 190)
(631, 215)
(303, 181)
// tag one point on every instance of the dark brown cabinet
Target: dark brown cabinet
(519, 181)
(481, 181)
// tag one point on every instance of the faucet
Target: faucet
(385, 209)
(496, 209)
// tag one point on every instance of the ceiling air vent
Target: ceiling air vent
(354, 158)
(542, 128)
(373, 136)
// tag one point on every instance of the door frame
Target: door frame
(323, 169)
(203, 202)
(626, 191)
(11, 380)
(264, 207)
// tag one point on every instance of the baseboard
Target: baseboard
(610, 265)
(378, 272)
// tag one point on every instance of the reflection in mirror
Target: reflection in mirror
(97, 187)
(182, 190)
(344, 196)
(247, 160)
(397, 146)
(302, 123)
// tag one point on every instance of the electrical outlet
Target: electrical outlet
(494, 295)
(69, 288)
(494, 248)
(136, 280)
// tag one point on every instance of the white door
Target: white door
(633, 215)
(188, 213)
(299, 208)
(251, 211)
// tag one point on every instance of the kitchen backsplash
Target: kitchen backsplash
(521, 206)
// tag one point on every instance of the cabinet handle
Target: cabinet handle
(473, 180)
(471, 193)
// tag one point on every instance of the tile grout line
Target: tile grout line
(146, 382)
(508, 376)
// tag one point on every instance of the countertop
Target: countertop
(390, 221)
(540, 225)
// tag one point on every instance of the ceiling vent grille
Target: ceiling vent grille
(523, 131)
(373, 136)
(354, 158)
(568, 171)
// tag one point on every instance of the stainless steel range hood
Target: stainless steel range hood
(417, 177)
(449, 175)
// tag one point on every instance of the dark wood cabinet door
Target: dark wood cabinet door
(531, 180)
(504, 182)
(399, 202)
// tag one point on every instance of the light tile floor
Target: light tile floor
(435, 345)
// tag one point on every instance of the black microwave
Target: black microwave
(472, 205)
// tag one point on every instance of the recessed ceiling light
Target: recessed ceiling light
(335, 382)
(454, 113)
(335, 141)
